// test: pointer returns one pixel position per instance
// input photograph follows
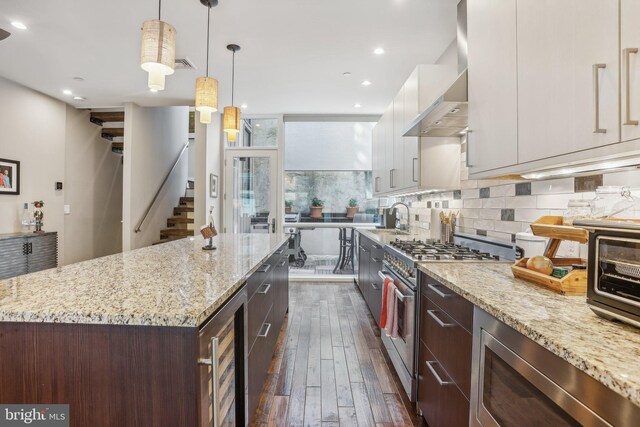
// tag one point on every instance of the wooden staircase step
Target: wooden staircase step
(110, 133)
(180, 209)
(179, 232)
(117, 147)
(100, 117)
(180, 219)
(186, 200)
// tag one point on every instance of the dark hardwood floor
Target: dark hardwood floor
(330, 368)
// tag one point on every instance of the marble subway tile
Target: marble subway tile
(529, 215)
(494, 202)
(555, 201)
(503, 190)
(472, 203)
(553, 186)
(520, 202)
(494, 214)
(471, 193)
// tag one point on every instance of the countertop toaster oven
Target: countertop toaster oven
(614, 269)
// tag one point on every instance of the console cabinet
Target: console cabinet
(24, 253)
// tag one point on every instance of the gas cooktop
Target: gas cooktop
(431, 250)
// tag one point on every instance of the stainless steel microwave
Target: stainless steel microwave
(614, 269)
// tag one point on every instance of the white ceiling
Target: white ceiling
(293, 55)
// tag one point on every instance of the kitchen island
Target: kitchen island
(564, 327)
(128, 339)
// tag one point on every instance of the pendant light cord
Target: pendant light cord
(233, 76)
(159, 10)
(208, 29)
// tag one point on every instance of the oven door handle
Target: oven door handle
(383, 275)
(402, 297)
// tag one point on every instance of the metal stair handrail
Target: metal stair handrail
(166, 178)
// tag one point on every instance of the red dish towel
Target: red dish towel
(383, 312)
(391, 309)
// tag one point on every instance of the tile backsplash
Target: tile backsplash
(502, 208)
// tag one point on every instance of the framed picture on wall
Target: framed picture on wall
(213, 186)
(9, 177)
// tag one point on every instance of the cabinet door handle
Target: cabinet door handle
(377, 247)
(596, 98)
(265, 289)
(363, 249)
(432, 314)
(283, 263)
(435, 374)
(413, 174)
(30, 247)
(438, 291)
(627, 54)
(266, 332)
(213, 362)
(373, 285)
(391, 178)
(467, 156)
(25, 251)
(376, 260)
(376, 188)
(264, 268)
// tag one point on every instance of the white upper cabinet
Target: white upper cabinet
(388, 159)
(493, 90)
(375, 160)
(397, 170)
(411, 176)
(568, 68)
(630, 38)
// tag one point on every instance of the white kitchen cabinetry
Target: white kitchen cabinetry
(493, 87)
(630, 39)
(399, 162)
(568, 68)
(376, 143)
(398, 171)
(411, 109)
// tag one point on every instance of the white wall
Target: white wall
(450, 55)
(153, 138)
(92, 189)
(208, 160)
(32, 131)
(328, 145)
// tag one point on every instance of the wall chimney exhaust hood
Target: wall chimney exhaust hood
(447, 116)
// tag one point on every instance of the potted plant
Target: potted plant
(288, 204)
(316, 208)
(352, 208)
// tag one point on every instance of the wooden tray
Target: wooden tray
(551, 227)
(574, 283)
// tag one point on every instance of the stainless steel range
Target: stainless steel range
(400, 264)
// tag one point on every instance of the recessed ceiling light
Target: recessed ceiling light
(19, 25)
(366, 83)
(379, 51)
(244, 106)
(67, 92)
(79, 98)
(346, 74)
(153, 90)
(78, 79)
(357, 105)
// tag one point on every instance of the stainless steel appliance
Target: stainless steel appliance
(613, 290)
(222, 366)
(516, 382)
(400, 264)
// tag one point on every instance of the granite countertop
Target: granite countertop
(172, 284)
(384, 236)
(607, 351)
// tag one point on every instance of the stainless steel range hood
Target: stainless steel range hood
(448, 114)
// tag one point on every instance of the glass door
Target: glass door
(251, 191)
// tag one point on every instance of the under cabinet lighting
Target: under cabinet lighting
(606, 165)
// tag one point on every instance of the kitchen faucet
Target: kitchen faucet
(408, 228)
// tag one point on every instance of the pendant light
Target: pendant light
(207, 87)
(158, 51)
(231, 121)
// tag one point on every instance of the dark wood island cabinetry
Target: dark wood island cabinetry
(152, 366)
